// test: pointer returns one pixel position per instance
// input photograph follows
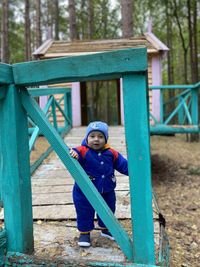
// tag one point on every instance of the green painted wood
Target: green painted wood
(19, 259)
(48, 91)
(68, 107)
(196, 86)
(2, 92)
(67, 119)
(1, 152)
(173, 87)
(79, 175)
(107, 65)
(181, 117)
(6, 75)
(167, 129)
(3, 243)
(195, 107)
(53, 107)
(16, 184)
(175, 111)
(138, 150)
(161, 108)
(187, 112)
(111, 264)
(177, 97)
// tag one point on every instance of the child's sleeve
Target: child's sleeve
(121, 164)
(80, 150)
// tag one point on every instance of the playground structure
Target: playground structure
(15, 178)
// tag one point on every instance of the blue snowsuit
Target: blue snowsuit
(100, 167)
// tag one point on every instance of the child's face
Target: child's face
(96, 140)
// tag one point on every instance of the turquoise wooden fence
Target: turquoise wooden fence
(50, 110)
(183, 115)
(16, 102)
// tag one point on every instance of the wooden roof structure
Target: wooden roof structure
(52, 48)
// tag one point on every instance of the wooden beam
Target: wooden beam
(138, 150)
(48, 91)
(15, 174)
(3, 91)
(100, 66)
(170, 129)
(6, 75)
(79, 175)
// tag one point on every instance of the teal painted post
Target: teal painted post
(1, 155)
(54, 114)
(16, 184)
(138, 150)
(194, 107)
(161, 107)
(180, 112)
(69, 106)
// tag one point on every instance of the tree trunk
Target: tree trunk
(56, 20)
(5, 25)
(50, 19)
(170, 69)
(27, 31)
(90, 19)
(72, 20)
(192, 17)
(183, 41)
(127, 18)
(38, 23)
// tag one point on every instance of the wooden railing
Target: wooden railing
(62, 122)
(178, 114)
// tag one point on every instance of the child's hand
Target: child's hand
(73, 153)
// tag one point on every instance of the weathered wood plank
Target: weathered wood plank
(171, 129)
(16, 186)
(66, 198)
(138, 145)
(107, 65)
(3, 91)
(38, 188)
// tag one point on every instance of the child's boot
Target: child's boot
(107, 234)
(84, 240)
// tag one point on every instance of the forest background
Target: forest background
(25, 25)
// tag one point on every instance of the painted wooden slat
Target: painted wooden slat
(48, 91)
(138, 150)
(108, 65)
(194, 109)
(6, 75)
(3, 91)
(171, 129)
(79, 175)
(16, 185)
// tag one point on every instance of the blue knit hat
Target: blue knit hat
(97, 126)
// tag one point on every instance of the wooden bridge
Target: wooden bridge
(16, 192)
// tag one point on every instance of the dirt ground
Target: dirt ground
(176, 181)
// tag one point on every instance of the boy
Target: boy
(99, 161)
